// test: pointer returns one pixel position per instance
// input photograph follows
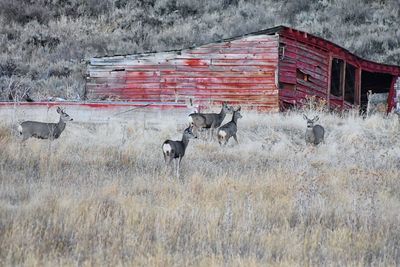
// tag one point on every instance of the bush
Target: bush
(33, 39)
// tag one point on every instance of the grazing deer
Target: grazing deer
(229, 129)
(314, 133)
(209, 120)
(44, 130)
(175, 150)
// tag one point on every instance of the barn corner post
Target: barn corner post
(328, 89)
(393, 97)
(358, 87)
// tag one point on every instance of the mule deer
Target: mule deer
(175, 150)
(44, 130)
(229, 129)
(209, 120)
(314, 133)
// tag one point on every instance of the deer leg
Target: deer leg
(178, 163)
(235, 137)
(24, 138)
(171, 163)
(211, 134)
(21, 146)
(226, 140)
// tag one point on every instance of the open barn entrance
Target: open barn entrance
(350, 85)
(337, 77)
(377, 83)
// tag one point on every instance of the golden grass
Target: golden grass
(100, 196)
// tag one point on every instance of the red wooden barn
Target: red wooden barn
(266, 70)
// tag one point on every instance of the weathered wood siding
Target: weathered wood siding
(303, 71)
(265, 70)
(240, 71)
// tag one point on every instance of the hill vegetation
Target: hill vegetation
(45, 44)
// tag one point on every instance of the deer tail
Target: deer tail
(19, 129)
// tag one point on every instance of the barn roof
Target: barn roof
(303, 37)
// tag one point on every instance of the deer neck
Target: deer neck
(61, 125)
(185, 141)
(222, 114)
(234, 119)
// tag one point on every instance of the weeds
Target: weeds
(102, 196)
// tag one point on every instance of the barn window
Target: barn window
(301, 75)
(350, 84)
(337, 77)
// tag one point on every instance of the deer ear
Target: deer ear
(305, 117)
(59, 110)
(239, 108)
(316, 118)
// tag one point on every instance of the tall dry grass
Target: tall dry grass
(100, 196)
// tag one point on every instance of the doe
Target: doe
(44, 130)
(314, 133)
(175, 150)
(209, 120)
(229, 129)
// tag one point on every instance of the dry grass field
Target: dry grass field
(100, 195)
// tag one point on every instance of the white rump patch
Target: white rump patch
(167, 149)
(20, 129)
(222, 134)
(190, 120)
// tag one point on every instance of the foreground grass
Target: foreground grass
(100, 195)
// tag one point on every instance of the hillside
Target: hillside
(45, 44)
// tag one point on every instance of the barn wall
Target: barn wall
(239, 71)
(305, 63)
(303, 71)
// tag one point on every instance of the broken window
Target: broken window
(337, 77)
(350, 84)
(301, 75)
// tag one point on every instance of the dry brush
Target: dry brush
(99, 195)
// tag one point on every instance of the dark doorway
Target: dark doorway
(376, 82)
(336, 77)
(350, 84)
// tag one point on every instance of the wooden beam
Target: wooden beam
(392, 94)
(357, 94)
(343, 80)
(328, 90)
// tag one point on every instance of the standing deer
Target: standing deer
(175, 150)
(209, 120)
(229, 129)
(314, 133)
(44, 130)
